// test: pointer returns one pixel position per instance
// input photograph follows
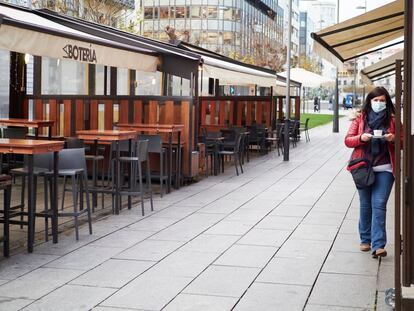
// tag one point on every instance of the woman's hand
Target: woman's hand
(389, 137)
(366, 137)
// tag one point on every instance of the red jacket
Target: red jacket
(353, 138)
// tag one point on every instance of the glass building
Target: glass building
(237, 28)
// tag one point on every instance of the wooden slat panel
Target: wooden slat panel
(231, 113)
(169, 112)
(222, 112)
(212, 112)
(259, 110)
(203, 112)
(177, 114)
(297, 108)
(240, 108)
(94, 115)
(185, 135)
(152, 113)
(123, 111)
(38, 106)
(54, 115)
(137, 111)
(280, 111)
(249, 113)
(67, 104)
(79, 114)
(268, 114)
(109, 114)
(26, 108)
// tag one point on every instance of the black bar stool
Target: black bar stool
(5, 185)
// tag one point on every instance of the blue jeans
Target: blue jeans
(373, 209)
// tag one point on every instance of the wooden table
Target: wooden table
(30, 148)
(111, 136)
(36, 124)
(170, 129)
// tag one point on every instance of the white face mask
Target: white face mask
(378, 105)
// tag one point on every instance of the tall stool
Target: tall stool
(5, 185)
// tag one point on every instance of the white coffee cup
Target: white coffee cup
(377, 133)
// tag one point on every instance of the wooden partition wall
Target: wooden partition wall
(74, 113)
(224, 111)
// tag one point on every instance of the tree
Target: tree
(309, 64)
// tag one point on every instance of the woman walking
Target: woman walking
(372, 135)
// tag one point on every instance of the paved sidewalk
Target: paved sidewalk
(281, 236)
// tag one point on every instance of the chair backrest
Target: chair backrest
(74, 143)
(44, 160)
(307, 123)
(14, 132)
(72, 159)
(238, 141)
(154, 142)
(142, 150)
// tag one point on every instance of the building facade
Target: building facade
(247, 30)
(284, 4)
(306, 27)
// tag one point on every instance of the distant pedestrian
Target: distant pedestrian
(315, 104)
(330, 103)
(376, 155)
(344, 103)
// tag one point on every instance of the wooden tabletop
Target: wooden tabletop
(159, 128)
(29, 146)
(26, 122)
(107, 135)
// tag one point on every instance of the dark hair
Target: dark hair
(380, 91)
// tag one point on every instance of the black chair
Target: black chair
(135, 162)
(305, 128)
(155, 146)
(257, 137)
(212, 146)
(96, 159)
(72, 163)
(42, 166)
(5, 185)
(235, 153)
(12, 160)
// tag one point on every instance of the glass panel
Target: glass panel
(180, 12)
(122, 81)
(212, 12)
(29, 75)
(164, 12)
(116, 113)
(4, 83)
(61, 118)
(148, 13)
(99, 79)
(195, 12)
(148, 83)
(101, 117)
(63, 77)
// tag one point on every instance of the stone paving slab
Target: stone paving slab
(281, 236)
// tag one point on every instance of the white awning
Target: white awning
(381, 69)
(233, 74)
(307, 78)
(362, 34)
(25, 32)
(230, 73)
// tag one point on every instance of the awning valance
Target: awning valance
(381, 69)
(307, 78)
(231, 74)
(362, 34)
(21, 30)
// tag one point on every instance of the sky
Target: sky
(347, 8)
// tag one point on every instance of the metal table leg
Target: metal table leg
(117, 178)
(170, 162)
(30, 205)
(54, 194)
(178, 162)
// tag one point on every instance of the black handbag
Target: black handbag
(362, 172)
